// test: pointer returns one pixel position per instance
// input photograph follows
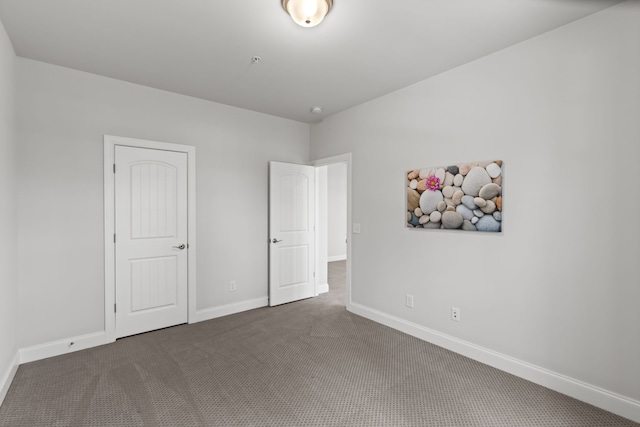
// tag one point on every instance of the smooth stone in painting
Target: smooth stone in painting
(499, 203)
(452, 220)
(429, 201)
(435, 216)
(413, 184)
(425, 173)
(464, 169)
(497, 215)
(413, 199)
(489, 207)
(468, 226)
(494, 170)
(480, 202)
(442, 206)
(440, 174)
(478, 213)
(421, 186)
(448, 179)
(447, 192)
(489, 191)
(413, 174)
(488, 223)
(418, 212)
(457, 180)
(432, 225)
(457, 197)
(423, 219)
(453, 170)
(497, 180)
(468, 202)
(465, 212)
(475, 180)
(474, 220)
(414, 220)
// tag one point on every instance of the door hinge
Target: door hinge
(114, 237)
(114, 168)
(114, 308)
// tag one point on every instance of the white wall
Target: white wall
(557, 289)
(8, 239)
(62, 117)
(337, 211)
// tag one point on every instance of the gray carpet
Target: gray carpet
(308, 363)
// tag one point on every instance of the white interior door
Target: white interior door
(151, 253)
(291, 232)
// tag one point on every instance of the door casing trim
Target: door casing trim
(110, 143)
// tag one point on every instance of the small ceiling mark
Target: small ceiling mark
(255, 59)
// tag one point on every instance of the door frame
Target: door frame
(110, 143)
(340, 158)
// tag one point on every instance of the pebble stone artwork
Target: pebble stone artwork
(466, 197)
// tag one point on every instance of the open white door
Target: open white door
(151, 253)
(291, 232)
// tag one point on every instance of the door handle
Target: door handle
(275, 240)
(181, 247)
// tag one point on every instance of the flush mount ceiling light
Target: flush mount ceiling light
(307, 13)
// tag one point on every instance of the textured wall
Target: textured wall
(62, 117)
(559, 287)
(8, 258)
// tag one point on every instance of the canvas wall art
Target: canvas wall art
(466, 196)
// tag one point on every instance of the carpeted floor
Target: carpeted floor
(308, 363)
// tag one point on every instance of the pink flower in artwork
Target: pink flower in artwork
(433, 183)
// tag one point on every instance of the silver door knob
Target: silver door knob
(181, 247)
(275, 240)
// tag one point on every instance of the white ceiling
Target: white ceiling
(203, 48)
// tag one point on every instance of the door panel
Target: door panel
(293, 265)
(151, 239)
(154, 283)
(291, 231)
(153, 204)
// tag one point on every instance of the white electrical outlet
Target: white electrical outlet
(455, 314)
(409, 301)
(232, 285)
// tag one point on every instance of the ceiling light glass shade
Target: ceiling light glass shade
(307, 13)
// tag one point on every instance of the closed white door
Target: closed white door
(151, 248)
(291, 232)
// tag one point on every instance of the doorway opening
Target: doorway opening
(333, 221)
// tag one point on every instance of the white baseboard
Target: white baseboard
(322, 288)
(596, 396)
(336, 258)
(7, 377)
(225, 310)
(68, 345)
